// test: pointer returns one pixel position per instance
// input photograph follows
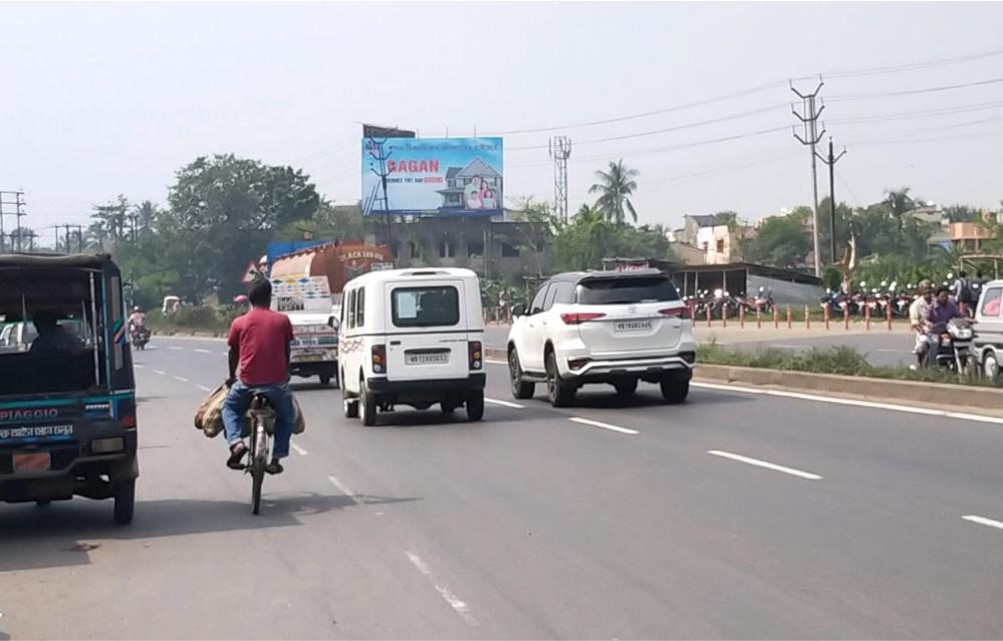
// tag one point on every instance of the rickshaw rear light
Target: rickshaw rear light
(127, 413)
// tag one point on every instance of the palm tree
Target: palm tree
(615, 187)
(899, 202)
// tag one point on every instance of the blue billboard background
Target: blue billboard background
(432, 176)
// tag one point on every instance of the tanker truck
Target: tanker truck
(307, 286)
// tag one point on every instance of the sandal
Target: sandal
(237, 452)
(274, 467)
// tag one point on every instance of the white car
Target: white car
(616, 328)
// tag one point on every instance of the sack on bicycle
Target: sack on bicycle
(209, 416)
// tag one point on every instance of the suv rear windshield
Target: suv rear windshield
(626, 291)
(425, 306)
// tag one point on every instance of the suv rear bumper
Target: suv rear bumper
(679, 367)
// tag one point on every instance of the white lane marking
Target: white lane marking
(135, 366)
(202, 351)
(605, 426)
(181, 378)
(176, 349)
(225, 353)
(853, 403)
(204, 388)
(514, 406)
(344, 489)
(981, 520)
(454, 601)
(299, 450)
(162, 373)
(764, 464)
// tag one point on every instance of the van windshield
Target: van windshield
(437, 306)
(626, 291)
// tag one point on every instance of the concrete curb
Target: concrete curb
(877, 389)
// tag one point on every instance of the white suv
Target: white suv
(616, 328)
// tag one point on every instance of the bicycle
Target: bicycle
(259, 427)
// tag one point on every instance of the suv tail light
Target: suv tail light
(127, 413)
(678, 312)
(379, 359)
(579, 318)
(476, 355)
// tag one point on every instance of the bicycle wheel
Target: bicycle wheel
(259, 452)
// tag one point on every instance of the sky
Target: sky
(101, 99)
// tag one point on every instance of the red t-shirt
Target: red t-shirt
(261, 336)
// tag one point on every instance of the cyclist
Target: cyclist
(259, 343)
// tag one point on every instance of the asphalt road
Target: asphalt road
(736, 515)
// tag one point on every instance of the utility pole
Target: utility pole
(831, 163)
(560, 151)
(811, 138)
(378, 152)
(16, 200)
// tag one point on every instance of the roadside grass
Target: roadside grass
(206, 320)
(839, 360)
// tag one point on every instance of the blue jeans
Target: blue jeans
(239, 399)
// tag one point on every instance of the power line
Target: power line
(913, 66)
(912, 92)
(911, 115)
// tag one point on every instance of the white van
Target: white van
(412, 337)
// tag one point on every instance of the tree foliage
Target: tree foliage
(615, 186)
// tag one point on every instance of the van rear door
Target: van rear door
(427, 329)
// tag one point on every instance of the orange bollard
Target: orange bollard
(867, 315)
(724, 315)
(708, 316)
(790, 318)
(776, 317)
(759, 319)
(741, 316)
(825, 315)
(807, 317)
(846, 317)
(889, 316)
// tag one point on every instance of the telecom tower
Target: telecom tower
(560, 151)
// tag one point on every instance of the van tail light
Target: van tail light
(677, 312)
(579, 318)
(127, 413)
(379, 359)
(476, 355)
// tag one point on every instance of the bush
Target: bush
(192, 319)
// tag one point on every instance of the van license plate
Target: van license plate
(34, 462)
(625, 327)
(306, 358)
(427, 359)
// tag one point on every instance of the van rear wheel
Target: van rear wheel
(366, 405)
(475, 405)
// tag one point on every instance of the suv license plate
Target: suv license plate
(427, 359)
(33, 462)
(632, 326)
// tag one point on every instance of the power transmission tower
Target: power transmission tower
(377, 150)
(560, 151)
(831, 163)
(811, 138)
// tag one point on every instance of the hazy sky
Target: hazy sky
(102, 99)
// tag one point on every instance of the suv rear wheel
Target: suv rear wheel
(675, 391)
(561, 393)
(521, 390)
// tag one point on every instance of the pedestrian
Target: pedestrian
(962, 293)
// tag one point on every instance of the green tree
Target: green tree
(615, 187)
(899, 202)
(109, 221)
(342, 223)
(781, 242)
(223, 212)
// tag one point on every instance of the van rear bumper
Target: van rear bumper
(428, 388)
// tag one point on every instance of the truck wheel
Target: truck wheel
(125, 502)
(475, 406)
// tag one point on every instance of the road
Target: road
(880, 347)
(736, 515)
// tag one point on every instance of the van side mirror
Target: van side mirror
(332, 323)
(518, 310)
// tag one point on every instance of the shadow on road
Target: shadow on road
(33, 538)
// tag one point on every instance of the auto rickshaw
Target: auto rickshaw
(68, 401)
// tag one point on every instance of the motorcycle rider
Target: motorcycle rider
(136, 319)
(917, 322)
(942, 311)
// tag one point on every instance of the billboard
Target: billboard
(432, 176)
(376, 131)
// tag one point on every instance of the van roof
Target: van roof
(428, 273)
